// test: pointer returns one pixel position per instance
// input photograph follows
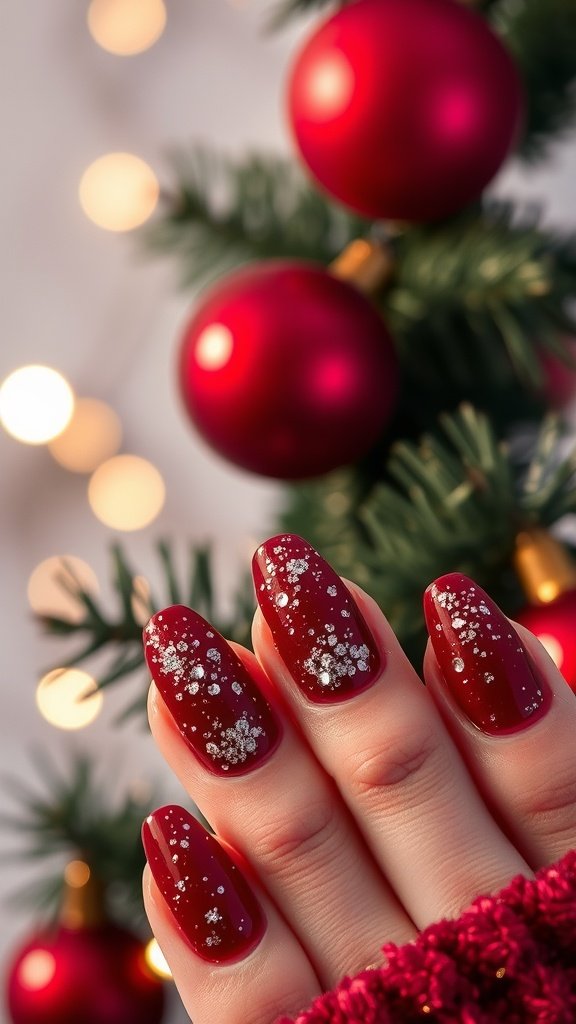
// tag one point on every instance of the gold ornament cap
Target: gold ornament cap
(367, 265)
(543, 565)
(83, 903)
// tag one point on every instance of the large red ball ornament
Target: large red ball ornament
(287, 371)
(83, 976)
(554, 624)
(405, 109)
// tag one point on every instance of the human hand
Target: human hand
(351, 804)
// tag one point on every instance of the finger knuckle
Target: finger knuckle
(548, 806)
(399, 763)
(300, 834)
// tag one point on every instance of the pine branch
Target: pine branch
(120, 634)
(72, 816)
(454, 501)
(223, 212)
(475, 302)
(542, 36)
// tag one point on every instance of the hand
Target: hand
(351, 804)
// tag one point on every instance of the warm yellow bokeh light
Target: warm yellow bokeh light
(126, 27)
(77, 874)
(214, 347)
(68, 698)
(48, 596)
(554, 649)
(156, 960)
(119, 191)
(126, 493)
(36, 404)
(37, 969)
(93, 435)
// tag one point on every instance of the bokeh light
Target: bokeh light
(156, 960)
(36, 404)
(126, 27)
(77, 874)
(126, 492)
(68, 698)
(48, 596)
(93, 435)
(553, 647)
(119, 191)
(36, 969)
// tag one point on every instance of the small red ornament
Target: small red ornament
(559, 387)
(554, 624)
(83, 976)
(405, 109)
(287, 371)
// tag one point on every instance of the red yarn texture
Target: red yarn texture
(509, 957)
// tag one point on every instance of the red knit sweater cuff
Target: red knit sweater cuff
(509, 957)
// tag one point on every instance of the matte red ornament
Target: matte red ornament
(405, 109)
(559, 388)
(287, 371)
(88, 975)
(554, 624)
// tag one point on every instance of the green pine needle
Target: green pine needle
(454, 501)
(72, 815)
(224, 212)
(120, 634)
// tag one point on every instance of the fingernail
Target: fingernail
(316, 626)
(483, 660)
(215, 703)
(211, 901)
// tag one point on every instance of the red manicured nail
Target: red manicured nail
(482, 658)
(215, 703)
(210, 899)
(317, 628)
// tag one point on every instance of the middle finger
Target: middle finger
(376, 730)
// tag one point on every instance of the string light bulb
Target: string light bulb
(156, 960)
(126, 492)
(50, 582)
(68, 698)
(126, 27)
(119, 191)
(36, 404)
(93, 435)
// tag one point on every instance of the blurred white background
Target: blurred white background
(83, 300)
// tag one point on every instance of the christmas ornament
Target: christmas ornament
(549, 579)
(559, 387)
(85, 969)
(288, 371)
(404, 109)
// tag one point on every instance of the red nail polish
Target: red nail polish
(316, 625)
(210, 899)
(215, 703)
(482, 658)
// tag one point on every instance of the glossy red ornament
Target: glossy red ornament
(287, 371)
(554, 624)
(405, 109)
(83, 976)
